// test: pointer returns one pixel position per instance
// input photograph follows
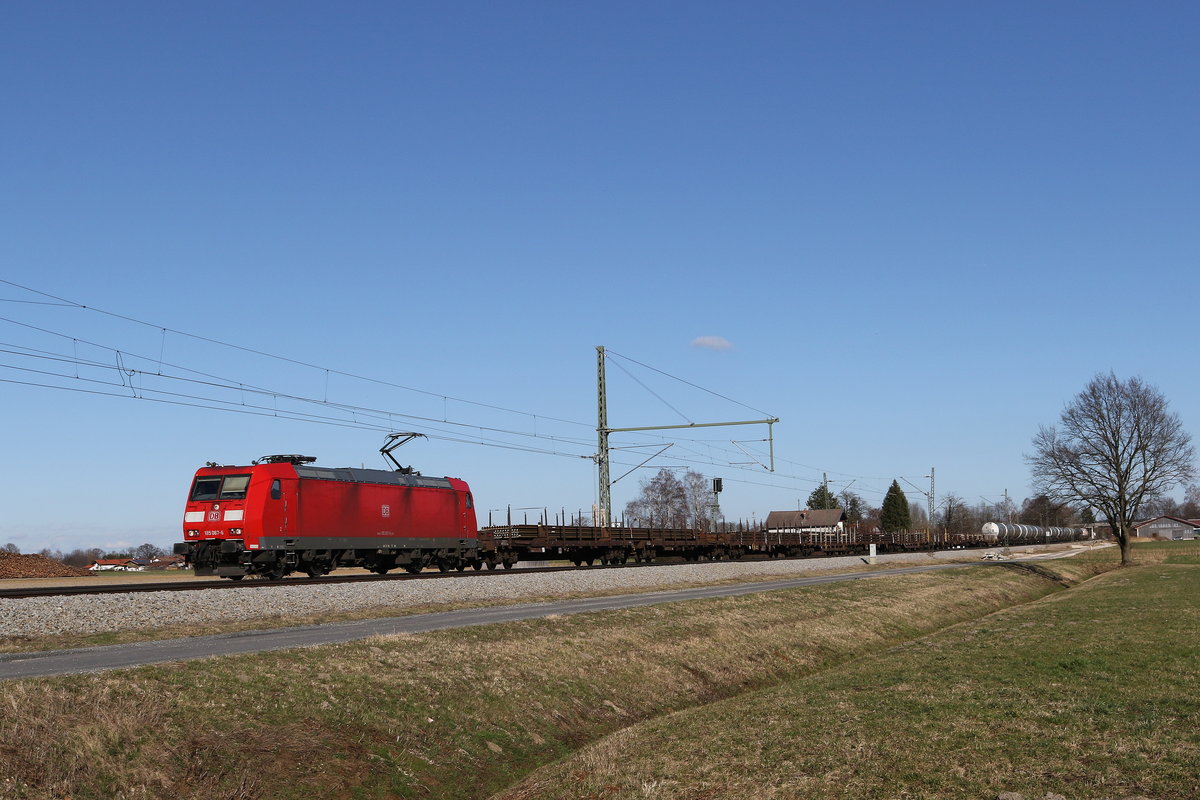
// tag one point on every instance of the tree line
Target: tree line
(666, 501)
(84, 556)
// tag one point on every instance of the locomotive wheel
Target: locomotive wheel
(235, 577)
(413, 569)
(477, 564)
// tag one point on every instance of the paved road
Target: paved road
(97, 659)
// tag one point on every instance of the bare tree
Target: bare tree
(148, 551)
(1160, 506)
(11, 548)
(1045, 512)
(1116, 446)
(662, 503)
(1191, 503)
(701, 509)
(954, 514)
(856, 507)
(81, 557)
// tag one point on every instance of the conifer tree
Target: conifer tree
(821, 497)
(894, 517)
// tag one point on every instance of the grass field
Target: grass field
(1093, 693)
(735, 696)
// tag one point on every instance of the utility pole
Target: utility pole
(602, 432)
(602, 442)
(931, 497)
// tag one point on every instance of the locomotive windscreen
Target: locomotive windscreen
(220, 487)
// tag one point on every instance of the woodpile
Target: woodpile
(14, 565)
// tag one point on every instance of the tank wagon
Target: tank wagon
(1011, 533)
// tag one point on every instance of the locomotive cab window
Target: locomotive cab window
(234, 487)
(276, 492)
(229, 487)
(206, 489)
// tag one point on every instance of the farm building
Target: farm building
(1168, 528)
(115, 565)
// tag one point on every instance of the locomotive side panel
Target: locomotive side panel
(359, 515)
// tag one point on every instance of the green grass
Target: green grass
(1092, 693)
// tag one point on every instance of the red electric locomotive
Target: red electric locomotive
(280, 515)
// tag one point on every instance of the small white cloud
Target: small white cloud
(712, 343)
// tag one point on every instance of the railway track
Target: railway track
(257, 583)
(188, 586)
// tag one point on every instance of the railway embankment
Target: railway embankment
(36, 622)
(474, 712)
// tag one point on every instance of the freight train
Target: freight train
(281, 514)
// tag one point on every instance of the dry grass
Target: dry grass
(24, 644)
(455, 714)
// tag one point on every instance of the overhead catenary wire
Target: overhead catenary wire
(119, 354)
(286, 359)
(134, 385)
(381, 418)
(608, 352)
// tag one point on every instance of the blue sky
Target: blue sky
(922, 227)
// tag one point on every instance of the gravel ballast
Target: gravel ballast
(40, 616)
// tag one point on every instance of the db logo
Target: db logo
(214, 516)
